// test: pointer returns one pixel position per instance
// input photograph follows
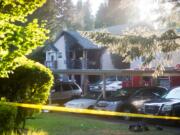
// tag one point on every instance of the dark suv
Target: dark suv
(168, 105)
(130, 99)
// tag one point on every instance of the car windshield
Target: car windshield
(174, 93)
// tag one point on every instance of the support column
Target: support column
(84, 78)
(73, 64)
(104, 86)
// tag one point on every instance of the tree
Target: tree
(88, 18)
(17, 36)
(101, 16)
(115, 14)
(110, 14)
(59, 14)
(30, 83)
(143, 42)
(83, 20)
(139, 45)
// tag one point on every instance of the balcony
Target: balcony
(81, 64)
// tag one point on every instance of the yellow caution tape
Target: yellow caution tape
(90, 111)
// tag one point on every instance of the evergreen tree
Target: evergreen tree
(59, 15)
(83, 19)
(88, 18)
(101, 16)
(78, 19)
(110, 14)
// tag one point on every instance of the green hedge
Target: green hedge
(30, 83)
(7, 117)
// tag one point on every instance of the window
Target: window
(66, 87)
(57, 87)
(74, 86)
(60, 55)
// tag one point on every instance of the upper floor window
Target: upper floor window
(60, 55)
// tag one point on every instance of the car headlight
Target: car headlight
(167, 108)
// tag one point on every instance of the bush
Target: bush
(7, 117)
(30, 83)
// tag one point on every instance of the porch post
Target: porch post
(104, 86)
(84, 60)
(73, 63)
(84, 78)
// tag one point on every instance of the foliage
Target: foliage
(110, 14)
(118, 62)
(8, 115)
(30, 83)
(17, 37)
(134, 46)
(62, 14)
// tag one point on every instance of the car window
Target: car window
(124, 92)
(66, 87)
(74, 86)
(150, 92)
(162, 91)
(174, 93)
(57, 87)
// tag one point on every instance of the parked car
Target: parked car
(98, 85)
(64, 91)
(130, 99)
(168, 105)
(112, 84)
(85, 102)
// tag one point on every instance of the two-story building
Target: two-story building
(72, 51)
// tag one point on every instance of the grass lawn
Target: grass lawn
(62, 124)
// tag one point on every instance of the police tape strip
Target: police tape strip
(90, 111)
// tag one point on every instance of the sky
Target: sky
(95, 5)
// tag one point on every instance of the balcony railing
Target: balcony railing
(80, 64)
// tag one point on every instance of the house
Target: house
(72, 51)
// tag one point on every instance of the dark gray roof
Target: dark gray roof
(52, 47)
(83, 42)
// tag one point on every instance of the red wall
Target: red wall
(175, 81)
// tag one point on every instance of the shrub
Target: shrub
(30, 83)
(7, 117)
